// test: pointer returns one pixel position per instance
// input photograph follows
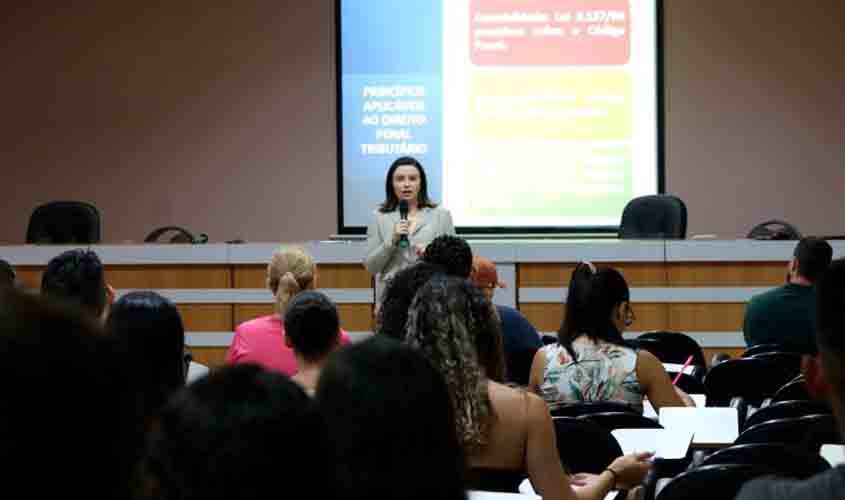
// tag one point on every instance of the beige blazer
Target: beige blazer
(384, 258)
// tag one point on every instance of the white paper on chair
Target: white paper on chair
(494, 495)
(700, 401)
(665, 443)
(709, 426)
(527, 491)
(833, 453)
(676, 367)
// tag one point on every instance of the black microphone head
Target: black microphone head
(403, 209)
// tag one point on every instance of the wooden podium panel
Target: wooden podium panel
(153, 277)
(553, 275)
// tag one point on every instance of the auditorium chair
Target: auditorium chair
(584, 446)
(808, 432)
(784, 460)
(789, 361)
(761, 348)
(64, 222)
(710, 482)
(787, 409)
(752, 379)
(654, 216)
(794, 390)
(613, 420)
(579, 408)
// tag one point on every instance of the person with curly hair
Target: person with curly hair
(507, 433)
(452, 253)
(392, 313)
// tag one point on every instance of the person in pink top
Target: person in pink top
(261, 341)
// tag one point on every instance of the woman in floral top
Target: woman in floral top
(590, 361)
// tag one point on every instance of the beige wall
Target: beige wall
(224, 120)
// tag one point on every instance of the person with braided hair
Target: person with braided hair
(261, 340)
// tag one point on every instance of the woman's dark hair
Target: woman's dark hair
(76, 276)
(398, 295)
(607, 289)
(312, 325)
(391, 202)
(150, 329)
(241, 432)
(454, 325)
(7, 274)
(575, 309)
(452, 253)
(391, 423)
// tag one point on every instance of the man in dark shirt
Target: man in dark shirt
(786, 315)
(825, 374)
(521, 340)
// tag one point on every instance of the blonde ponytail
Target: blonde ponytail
(291, 270)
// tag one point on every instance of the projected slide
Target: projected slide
(525, 113)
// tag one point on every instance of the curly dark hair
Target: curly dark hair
(455, 327)
(451, 253)
(397, 296)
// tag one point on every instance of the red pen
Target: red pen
(678, 376)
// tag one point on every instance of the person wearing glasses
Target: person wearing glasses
(590, 361)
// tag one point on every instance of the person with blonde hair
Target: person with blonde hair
(261, 340)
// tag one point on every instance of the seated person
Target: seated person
(451, 253)
(262, 340)
(507, 433)
(521, 340)
(786, 315)
(241, 432)
(150, 328)
(396, 298)
(68, 404)
(77, 276)
(825, 375)
(7, 274)
(391, 424)
(312, 330)
(590, 362)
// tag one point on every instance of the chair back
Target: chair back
(654, 216)
(749, 378)
(519, 365)
(689, 383)
(584, 446)
(794, 390)
(788, 409)
(789, 361)
(579, 408)
(711, 482)
(499, 480)
(675, 347)
(809, 432)
(783, 460)
(64, 222)
(761, 348)
(621, 420)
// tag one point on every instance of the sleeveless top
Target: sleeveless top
(602, 372)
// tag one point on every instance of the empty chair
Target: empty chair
(789, 361)
(794, 390)
(761, 348)
(783, 460)
(654, 216)
(63, 222)
(584, 446)
(711, 482)
(578, 408)
(750, 378)
(621, 420)
(676, 348)
(787, 409)
(809, 432)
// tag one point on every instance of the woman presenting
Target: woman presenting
(396, 240)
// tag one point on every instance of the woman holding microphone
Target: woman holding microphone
(404, 223)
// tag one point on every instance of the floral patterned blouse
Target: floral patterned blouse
(602, 372)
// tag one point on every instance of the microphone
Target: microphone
(403, 215)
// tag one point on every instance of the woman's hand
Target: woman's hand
(420, 249)
(401, 228)
(630, 470)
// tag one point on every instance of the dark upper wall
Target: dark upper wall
(223, 120)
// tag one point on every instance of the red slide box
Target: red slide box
(550, 32)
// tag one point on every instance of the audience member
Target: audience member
(391, 423)
(77, 276)
(590, 361)
(241, 432)
(825, 375)
(7, 274)
(150, 329)
(786, 315)
(505, 431)
(262, 340)
(398, 295)
(520, 338)
(312, 330)
(68, 420)
(452, 253)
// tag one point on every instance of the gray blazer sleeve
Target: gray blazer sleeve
(379, 250)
